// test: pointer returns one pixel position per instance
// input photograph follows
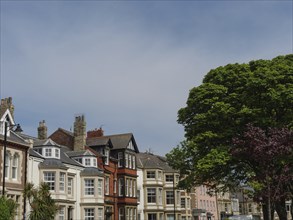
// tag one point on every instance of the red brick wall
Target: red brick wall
(62, 138)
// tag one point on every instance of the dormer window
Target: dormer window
(87, 162)
(57, 153)
(79, 160)
(48, 152)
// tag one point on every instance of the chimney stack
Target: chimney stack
(42, 130)
(95, 133)
(79, 133)
(7, 104)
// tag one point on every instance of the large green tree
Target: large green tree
(259, 92)
(43, 207)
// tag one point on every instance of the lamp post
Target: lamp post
(18, 128)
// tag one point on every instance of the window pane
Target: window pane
(100, 187)
(62, 182)
(69, 186)
(89, 187)
(89, 214)
(169, 197)
(49, 178)
(151, 174)
(151, 195)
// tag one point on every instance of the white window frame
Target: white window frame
(121, 213)
(133, 162)
(100, 187)
(50, 178)
(130, 161)
(169, 178)
(48, 152)
(151, 174)
(151, 195)
(107, 155)
(89, 187)
(87, 162)
(62, 181)
(61, 213)
(7, 165)
(127, 187)
(100, 213)
(126, 160)
(14, 167)
(89, 213)
(120, 159)
(120, 183)
(57, 153)
(160, 196)
(130, 187)
(70, 186)
(170, 197)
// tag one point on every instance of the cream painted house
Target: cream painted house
(159, 199)
(75, 182)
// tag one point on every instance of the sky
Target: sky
(128, 66)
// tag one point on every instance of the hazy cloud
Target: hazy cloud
(127, 65)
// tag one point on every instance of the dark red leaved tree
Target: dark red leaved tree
(268, 159)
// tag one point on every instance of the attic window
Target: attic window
(50, 152)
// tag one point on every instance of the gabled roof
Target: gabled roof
(46, 142)
(80, 153)
(119, 141)
(151, 161)
(98, 141)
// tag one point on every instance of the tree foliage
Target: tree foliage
(269, 157)
(43, 207)
(229, 98)
(7, 208)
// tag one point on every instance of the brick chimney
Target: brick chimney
(42, 130)
(95, 133)
(79, 133)
(6, 104)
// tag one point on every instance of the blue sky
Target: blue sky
(128, 65)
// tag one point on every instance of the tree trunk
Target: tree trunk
(281, 209)
(265, 212)
(268, 211)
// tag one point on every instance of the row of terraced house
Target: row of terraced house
(93, 176)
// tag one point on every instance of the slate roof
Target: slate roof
(151, 161)
(52, 163)
(91, 171)
(119, 141)
(98, 141)
(79, 153)
(14, 137)
(49, 162)
(34, 153)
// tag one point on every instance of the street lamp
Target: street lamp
(6, 127)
